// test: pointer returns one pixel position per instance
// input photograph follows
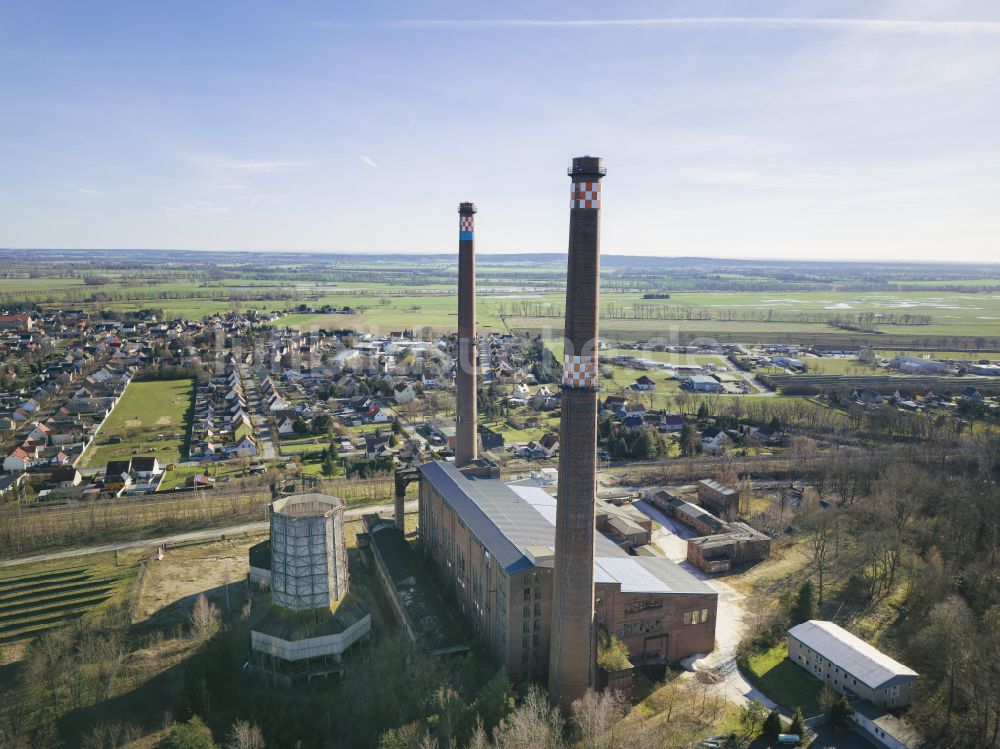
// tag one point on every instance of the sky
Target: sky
(805, 129)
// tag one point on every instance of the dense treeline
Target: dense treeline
(916, 533)
(862, 321)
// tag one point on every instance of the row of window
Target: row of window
(696, 617)
(527, 610)
(637, 628)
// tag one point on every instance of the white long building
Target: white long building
(849, 665)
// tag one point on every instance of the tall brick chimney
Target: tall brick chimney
(466, 436)
(573, 645)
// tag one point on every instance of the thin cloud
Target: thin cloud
(195, 207)
(217, 165)
(369, 161)
(261, 167)
(85, 190)
(867, 25)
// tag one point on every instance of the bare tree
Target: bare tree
(594, 717)
(821, 529)
(533, 725)
(245, 735)
(205, 618)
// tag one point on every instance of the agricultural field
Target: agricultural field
(146, 411)
(835, 365)
(37, 598)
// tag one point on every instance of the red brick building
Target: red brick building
(493, 546)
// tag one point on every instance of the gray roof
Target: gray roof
(864, 662)
(719, 487)
(502, 522)
(898, 729)
(516, 523)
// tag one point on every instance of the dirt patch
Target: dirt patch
(133, 423)
(173, 583)
(164, 421)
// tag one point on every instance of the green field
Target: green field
(37, 598)
(783, 681)
(906, 306)
(145, 411)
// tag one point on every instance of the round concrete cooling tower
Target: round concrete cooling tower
(308, 555)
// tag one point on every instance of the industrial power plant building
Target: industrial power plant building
(494, 544)
(529, 570)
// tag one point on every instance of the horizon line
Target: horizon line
(446, 253)
(880, 25)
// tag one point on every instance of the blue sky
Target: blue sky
(803, 129)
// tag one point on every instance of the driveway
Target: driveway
(730, 623)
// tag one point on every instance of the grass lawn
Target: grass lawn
(783, 681)
(308, 445)
(145, 411)
(178, 475)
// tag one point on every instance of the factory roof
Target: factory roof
(515, 523)
(719, 487)
(864, 662)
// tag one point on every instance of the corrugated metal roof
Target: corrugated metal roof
(864, 662)
(509, 520)
(496, 515)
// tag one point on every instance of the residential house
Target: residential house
(66, 476)
(244, 448)
(19, 459)
(714, 439)
(403, 392)
(671, 423)
(643, 384)
(146, 467)
(548, 445)
(377, 446)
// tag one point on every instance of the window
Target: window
(704, 615)
(526, 626)
(525, 656)
(687, 617)
(538, 609)
(527, 611)
(527, 580)
(536, 640)
(635, 628)
(538, 594)
(527, 594)
(538, 624)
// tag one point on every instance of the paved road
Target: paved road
(209, 533)
(259, 414)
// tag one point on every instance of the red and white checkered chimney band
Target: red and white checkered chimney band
(579, 371)
(585, 195)
(466, 223)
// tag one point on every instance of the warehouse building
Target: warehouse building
(850, 666)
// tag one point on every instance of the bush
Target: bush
(612, 654)
(191, 735)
